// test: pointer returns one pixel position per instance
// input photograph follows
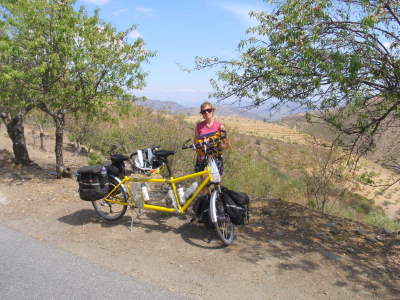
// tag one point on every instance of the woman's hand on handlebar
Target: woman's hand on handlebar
(206, 142)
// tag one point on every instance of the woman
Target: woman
(207, 128)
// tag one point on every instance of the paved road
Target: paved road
(30, 269)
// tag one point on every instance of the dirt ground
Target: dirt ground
(286, 252)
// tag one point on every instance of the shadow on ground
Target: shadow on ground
(364, 254)
(193, 233)
(15, 174)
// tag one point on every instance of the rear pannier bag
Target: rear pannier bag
(93, 183)
(237, 206)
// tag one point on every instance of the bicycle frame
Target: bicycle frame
(125, 193)
(172, 183)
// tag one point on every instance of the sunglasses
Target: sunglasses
(209, 110)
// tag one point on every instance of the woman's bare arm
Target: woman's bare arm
(225, 142)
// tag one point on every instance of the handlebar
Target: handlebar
(203, 143)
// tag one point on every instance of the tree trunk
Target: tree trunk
(15, 130)
(59, 120)
(78, 147)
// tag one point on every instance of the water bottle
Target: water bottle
(190, 190)
(138, 200)
(103, 172)
(145, 192)
(181, 194)
(171, 197)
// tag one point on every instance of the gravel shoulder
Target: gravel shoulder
(287, 252)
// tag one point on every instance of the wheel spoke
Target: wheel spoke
(112, 211)
(223, 226)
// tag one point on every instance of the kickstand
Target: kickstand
(130, 228)
(131, 209)
(210, 238)
(138, 214)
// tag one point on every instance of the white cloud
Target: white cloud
(240, 11)
(144, 11)
(98, 2)
(134, 34)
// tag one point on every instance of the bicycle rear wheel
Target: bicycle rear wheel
(112, 211)
(222, 222)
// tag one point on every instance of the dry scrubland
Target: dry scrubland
(264, 159)
(287, 250)
(369, 179)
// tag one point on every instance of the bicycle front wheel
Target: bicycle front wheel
(108, 210)
(222, 222)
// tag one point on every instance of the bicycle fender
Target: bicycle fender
(213, 206)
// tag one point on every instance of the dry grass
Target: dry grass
(376, 191)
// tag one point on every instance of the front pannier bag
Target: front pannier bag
(237, 206)
(200, 207)
(93, 182)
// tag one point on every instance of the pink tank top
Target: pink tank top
(203, 130)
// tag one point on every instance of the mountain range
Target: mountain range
(221, 109)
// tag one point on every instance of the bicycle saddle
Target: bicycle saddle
(163, 153)
(117, 158)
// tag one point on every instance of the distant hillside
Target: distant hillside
(222, 110)
(316, 128)
(169, 106)
(387, 148)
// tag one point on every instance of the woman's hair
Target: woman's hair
(206, 103)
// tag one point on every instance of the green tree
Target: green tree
(341, 58)
(14, 102)
(82, 129)
(74, 62)
(42, 121)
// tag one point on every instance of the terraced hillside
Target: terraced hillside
(369, 180)
(261, 128)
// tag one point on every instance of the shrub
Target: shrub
(379, 219)
(95, 158)
(252, 173)
(366, 178)
(328, 172)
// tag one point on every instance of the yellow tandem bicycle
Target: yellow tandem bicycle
(124, 192)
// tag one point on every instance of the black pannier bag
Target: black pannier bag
(93, 182)
(117, 166)
(200, 208)
(237, 206)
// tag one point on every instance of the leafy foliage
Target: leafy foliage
(66, 61)
(339, 57)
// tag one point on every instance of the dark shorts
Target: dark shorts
(202, 164)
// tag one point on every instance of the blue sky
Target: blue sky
(179, 31)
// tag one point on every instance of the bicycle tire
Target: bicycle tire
(112, 211)
(221, 220)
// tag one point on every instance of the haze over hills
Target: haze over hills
(222, 110)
